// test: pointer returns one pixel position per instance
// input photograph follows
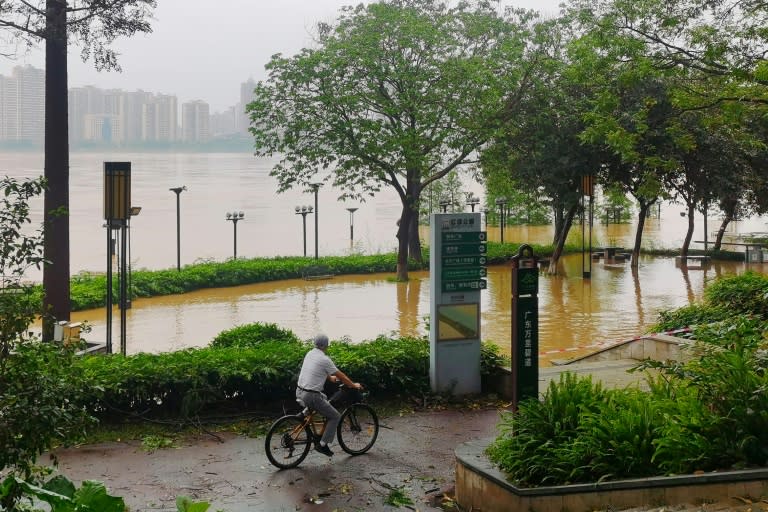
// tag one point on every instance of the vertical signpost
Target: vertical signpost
(525, 325)
(457, 271)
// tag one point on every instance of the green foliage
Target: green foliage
(398, 497)
(42, 400)
(694, 314)
(181, 385)
(185, 504)
(252, 334)
(708, 414)
(20, 249)
(60, 494)
(534, 442)
(733, 295)
(746, 293)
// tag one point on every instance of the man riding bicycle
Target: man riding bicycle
(315, 370)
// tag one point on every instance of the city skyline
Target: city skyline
(201, 53)
(114, 116)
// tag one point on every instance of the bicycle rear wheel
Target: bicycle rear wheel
(288, 442)
(358, 429)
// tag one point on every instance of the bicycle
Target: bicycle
(290, 438)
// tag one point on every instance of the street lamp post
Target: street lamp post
(501, 202)
(472, 200)
(304, 211)
(177, 191)
(444, 203)
(315, 187)
(134, 211)
(234, 217)
(351, 211)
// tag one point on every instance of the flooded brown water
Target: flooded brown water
(574, 313)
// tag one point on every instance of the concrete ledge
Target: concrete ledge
(481, 486)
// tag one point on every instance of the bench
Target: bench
(316, 272)
(683, 261)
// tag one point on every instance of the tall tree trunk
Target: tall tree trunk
(56, 301)
(402, 244)
(645, 207)
(689, 233)
(414, 242)
(560, 238)
(559, 218)
(729, 209)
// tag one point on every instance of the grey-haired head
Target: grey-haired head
(321, 341)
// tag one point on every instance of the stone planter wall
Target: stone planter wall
(480, 486)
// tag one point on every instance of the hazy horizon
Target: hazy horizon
(194, 33)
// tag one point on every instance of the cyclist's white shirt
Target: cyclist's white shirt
(315, 370)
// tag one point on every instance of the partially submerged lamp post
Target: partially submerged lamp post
(587, 190)
(472, 200)
(501, 202)
(234, 217)
(304, 211)
(315, 187)
(351, 211)
(178, 191)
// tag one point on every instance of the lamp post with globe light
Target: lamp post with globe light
(235, 217)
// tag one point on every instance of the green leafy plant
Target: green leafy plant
(253, 334)
(61, 495)
(185, 504)
(398, 497)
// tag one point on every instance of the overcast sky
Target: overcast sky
(204, 50)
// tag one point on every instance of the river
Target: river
(574, 313)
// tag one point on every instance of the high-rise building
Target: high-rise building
(246, 96)
(22, 105)
(159, 119)
(223, 123)
(195, 121)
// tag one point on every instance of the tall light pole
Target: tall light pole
(472, 200)
(351, 211)
(177, 191)
(444, 204)
(501, 202)
(134, 211)
(304, 211)
(234, 217)
(315, 187)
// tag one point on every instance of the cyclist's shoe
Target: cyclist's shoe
(325, 450)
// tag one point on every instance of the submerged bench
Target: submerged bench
(315, 272)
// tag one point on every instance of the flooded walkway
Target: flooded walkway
(575, 314)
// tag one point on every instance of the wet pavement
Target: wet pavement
(413, 460)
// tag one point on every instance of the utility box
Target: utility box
(67, 333)
(754, 254)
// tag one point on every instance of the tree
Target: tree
(94, 25)
(40, 398)
(396, 94)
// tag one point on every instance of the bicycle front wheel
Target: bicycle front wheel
(358, 429)
(288, 442)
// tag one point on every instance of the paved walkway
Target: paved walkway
(414, 456)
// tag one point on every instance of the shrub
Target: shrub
(253, 334)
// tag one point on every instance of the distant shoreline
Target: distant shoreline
(209, 147)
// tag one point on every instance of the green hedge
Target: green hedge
(728, 296)
(87, 290)
(248, 375)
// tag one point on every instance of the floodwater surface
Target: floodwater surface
(575, 314)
